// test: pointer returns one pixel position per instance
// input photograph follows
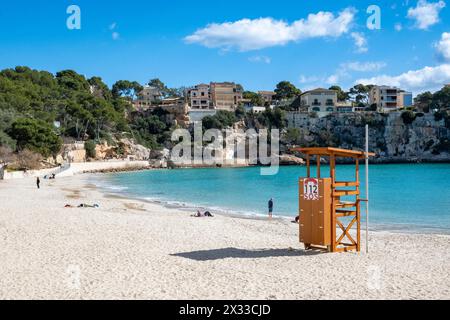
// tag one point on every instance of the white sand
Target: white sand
(128, 249)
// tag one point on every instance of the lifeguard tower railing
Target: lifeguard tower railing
(339, 208)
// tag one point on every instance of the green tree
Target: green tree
(165, 91)
(35, 135)
(275, 118)
(360, 93)
(408, 117)
(222, 119)
(99, 88)
(71, 80)
(341, 94)
(255, 98)
(286, 90)
(441, 98)
(424, 100)
(89, 146)
(128, 89)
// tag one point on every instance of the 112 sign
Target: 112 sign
(311, 189)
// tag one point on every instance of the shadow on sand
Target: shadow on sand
(216, 254)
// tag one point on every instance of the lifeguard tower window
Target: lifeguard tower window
(327, 204)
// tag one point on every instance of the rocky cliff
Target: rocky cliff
(391, 137)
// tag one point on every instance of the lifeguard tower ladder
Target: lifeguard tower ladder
(320, 206)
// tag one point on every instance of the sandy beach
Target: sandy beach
(127, 249)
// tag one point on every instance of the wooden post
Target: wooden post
(333, 202)
(308, 171)
(358, 210)
(318, 167)
(367, 188)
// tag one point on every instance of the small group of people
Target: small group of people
(50, 177)
(199, 214)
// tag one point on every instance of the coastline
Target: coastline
(130, 249)
(170, 197)
(190, 208)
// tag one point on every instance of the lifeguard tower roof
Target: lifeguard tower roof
(329, 151)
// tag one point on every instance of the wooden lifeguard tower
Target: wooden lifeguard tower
(321, 208)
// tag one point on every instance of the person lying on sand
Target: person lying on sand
(82, 205)
(197, 214)
(208, 214)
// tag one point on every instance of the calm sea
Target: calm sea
(404, 197)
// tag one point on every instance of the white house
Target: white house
(322, 101)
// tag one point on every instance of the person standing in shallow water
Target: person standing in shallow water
(38, 182)
(270, 204)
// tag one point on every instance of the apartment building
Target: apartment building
(199, 97)
(388, 98)
(322, 101)
(405, 99)
(216, 95)
(225, 95)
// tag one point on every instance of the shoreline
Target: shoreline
(130, 249)
(191, 207)
(140, 167)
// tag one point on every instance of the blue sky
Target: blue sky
(255, 43)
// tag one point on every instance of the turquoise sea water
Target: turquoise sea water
(406, 197)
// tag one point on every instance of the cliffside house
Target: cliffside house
(216, 95)
(148, 97)
(199, 97)
(388, 98)
(225, 95)
(321, 101)
(268, 96)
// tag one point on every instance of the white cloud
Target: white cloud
(443, 46)
(308, 79)
(398, 27)
(344, 72)
(260, 59)
(247, 34)
(363, 66)
(360, 42)
(333, 79)
(427, 78)
(426, 13)
(114, 34)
